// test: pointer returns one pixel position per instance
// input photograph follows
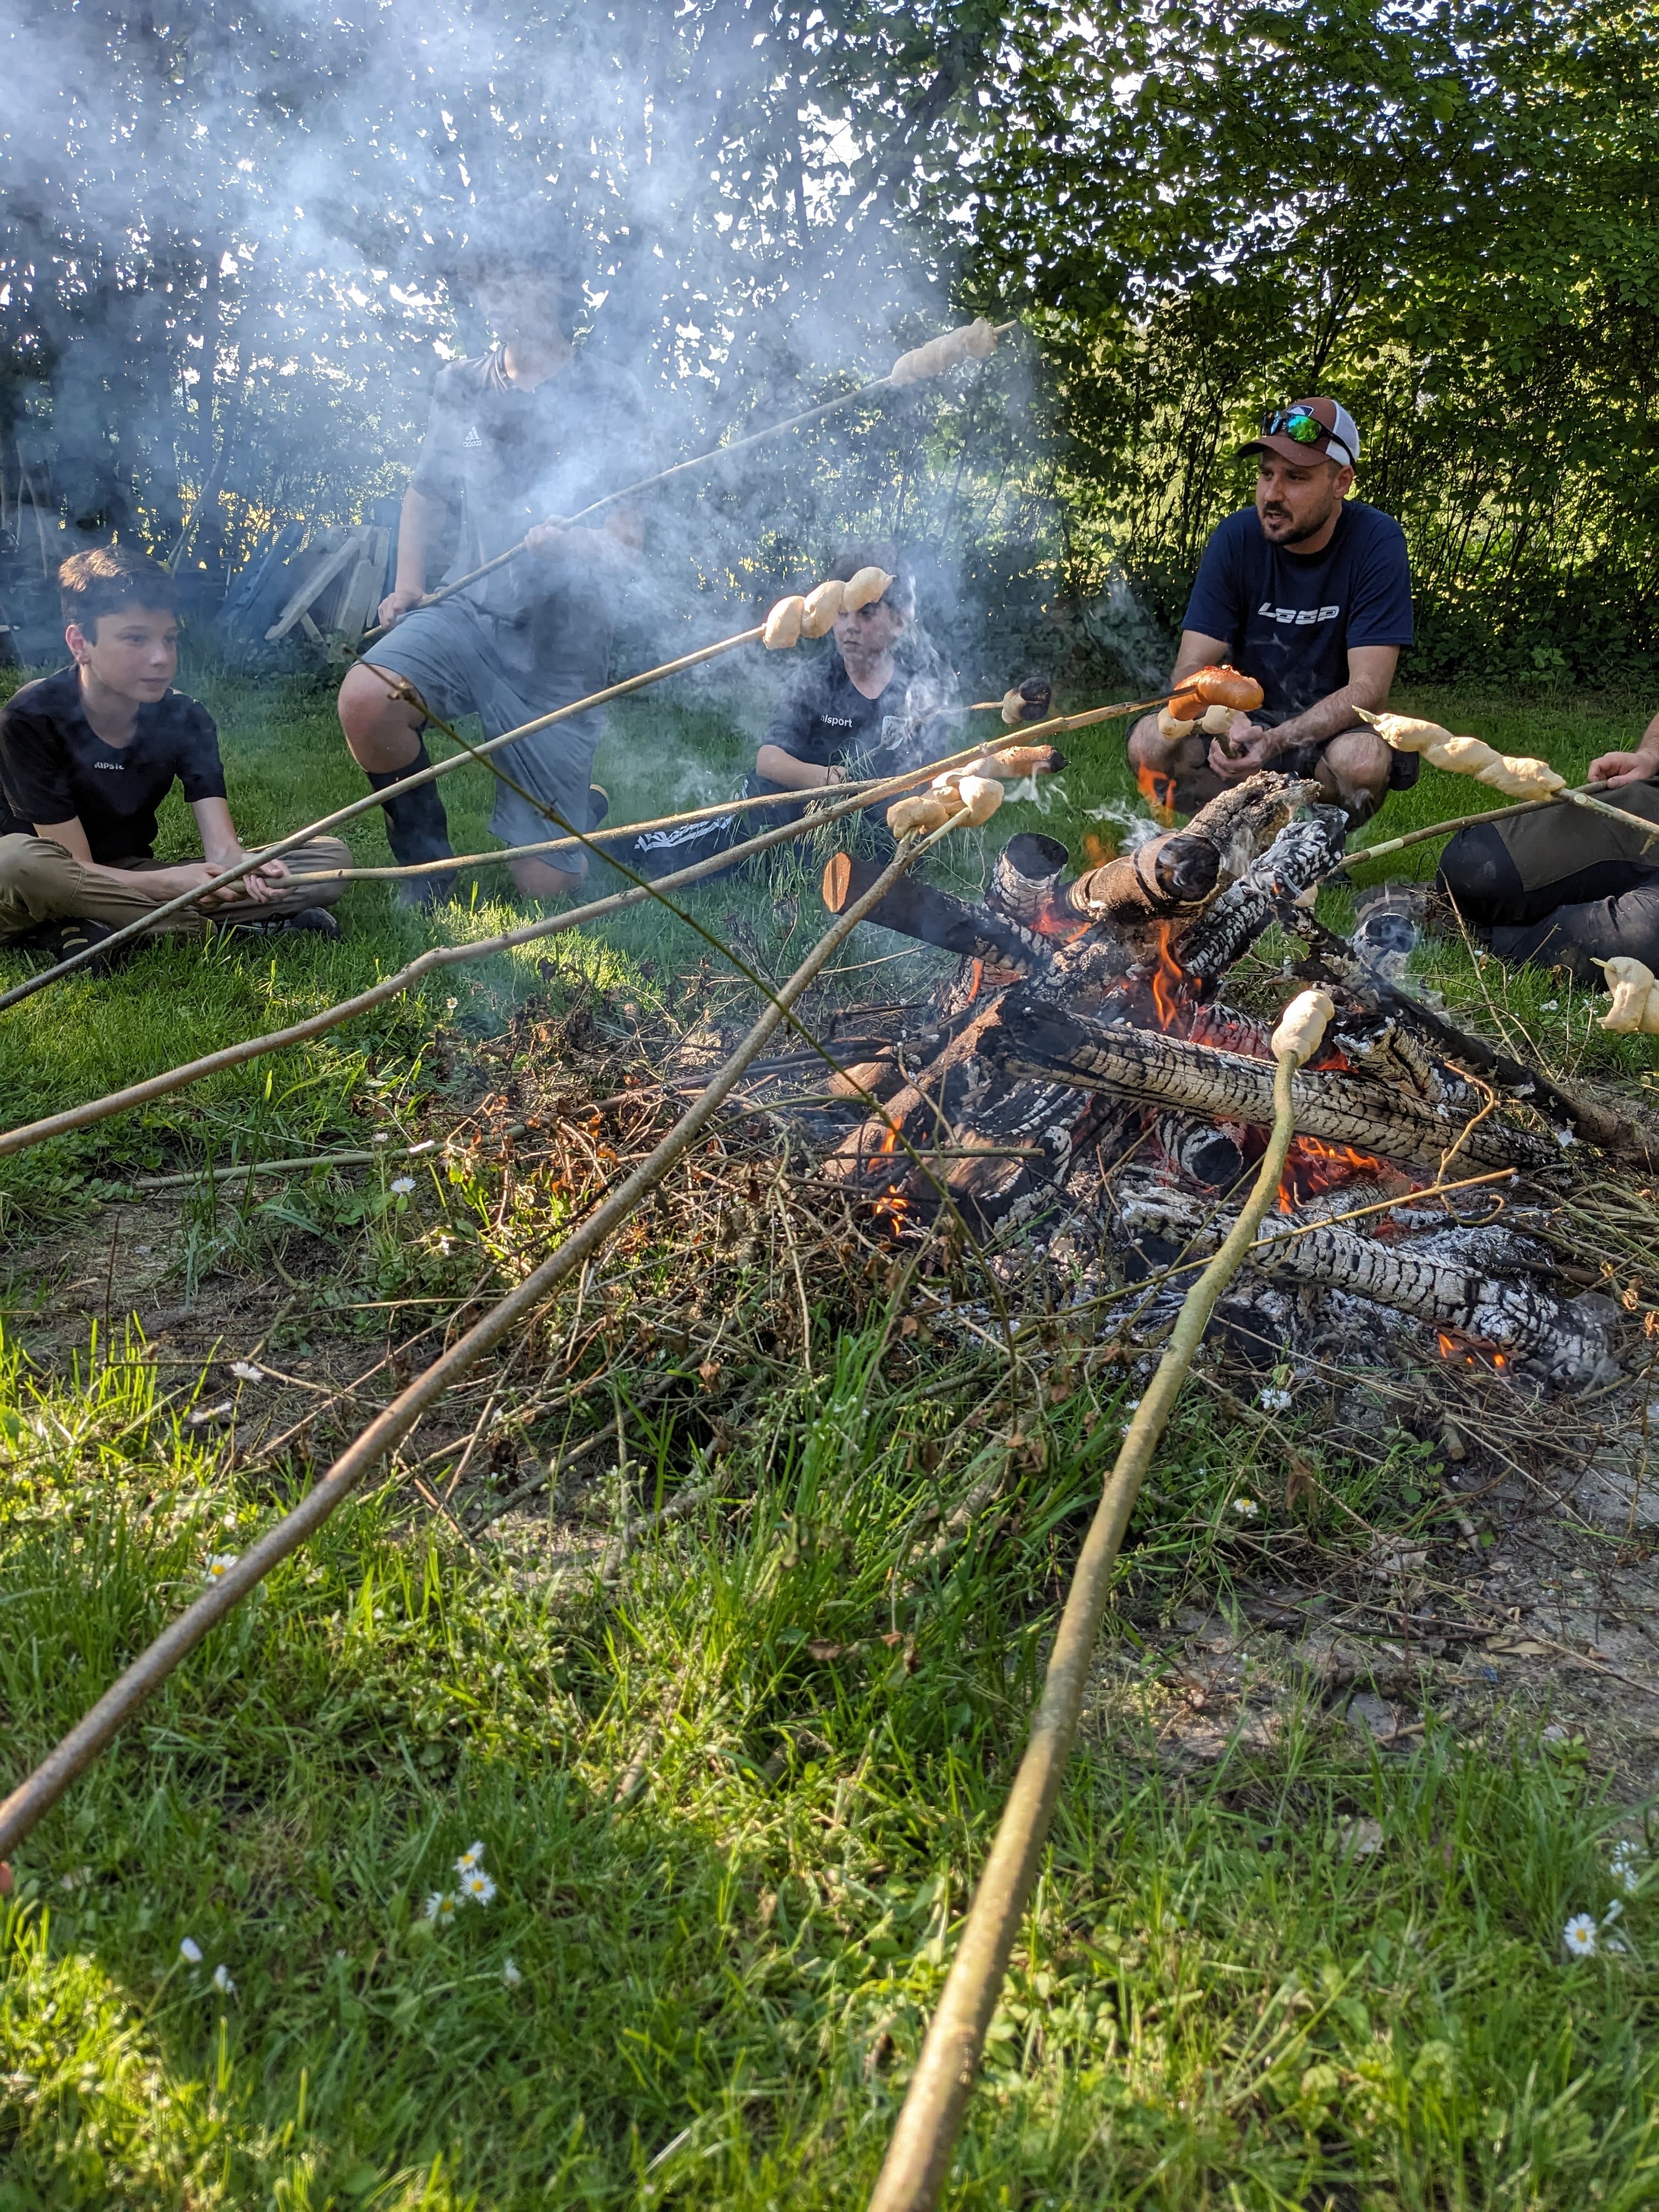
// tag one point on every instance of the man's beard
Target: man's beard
(1296, 535)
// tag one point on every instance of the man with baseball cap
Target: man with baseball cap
(1310, 593)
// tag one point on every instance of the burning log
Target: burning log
(1568, 1342)
(1166, 875)
(1027, 1034)
(1025, 882)
(937, 917)
(1301, 855)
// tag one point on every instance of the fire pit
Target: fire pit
(1080, 1068)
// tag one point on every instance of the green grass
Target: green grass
(733, 1827)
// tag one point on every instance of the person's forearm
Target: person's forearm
(791, 775)
(1327, 717)
(417, 529)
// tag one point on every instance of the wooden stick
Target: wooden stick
(34, 1797)
(919, 2157)
(132, 930)
(646, 484)
(1581, 796)
(391, 986)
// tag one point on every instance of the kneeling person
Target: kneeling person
(88, 756)
(1310, 592)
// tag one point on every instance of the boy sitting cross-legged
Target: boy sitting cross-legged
(88, 755)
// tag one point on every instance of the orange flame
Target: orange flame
(1465, 1351)
(1158, 791)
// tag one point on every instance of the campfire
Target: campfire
(1082, 1069)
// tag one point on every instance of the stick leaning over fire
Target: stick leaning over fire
(975, 341)
(1023, 752)
(98, 1109)
(34, 1797)
(919, 2157)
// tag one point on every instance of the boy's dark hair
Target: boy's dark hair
(107, 578)
(523, 242)
(901, 593)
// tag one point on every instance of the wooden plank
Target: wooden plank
(313, 588)
(360, 598)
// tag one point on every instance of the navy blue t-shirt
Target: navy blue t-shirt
(1289, 618)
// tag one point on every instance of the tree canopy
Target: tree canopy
(227, 231)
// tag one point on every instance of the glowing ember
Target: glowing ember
(1464, 1350)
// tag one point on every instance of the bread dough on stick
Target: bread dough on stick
(864, 586)
(1459, 755)
(822, 605)
(974, 341)
(980, 795)
(1172, 728)
(1302, 1025)
(1634, 1008)
(1404, 732)
(783, 624)
(1519, 776)
(928, 810)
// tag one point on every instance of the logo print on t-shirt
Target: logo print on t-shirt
(1303, 617)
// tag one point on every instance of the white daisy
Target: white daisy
(510, 1973)
(1550, 1006)
(219, 1566)
(1627, 1865)
(470, 1857)
(246, 1371)
(1247, 1509)
(1580, 1935)
(403, 1184)
(441, 1907)
(190, 1951)
(222, 1979)
(1275, 1397)
(477, 1885)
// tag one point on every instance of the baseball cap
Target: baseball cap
(1309, 429)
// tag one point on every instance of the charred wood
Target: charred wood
(937, 917)
(1571, 1341)
(1029, 1035)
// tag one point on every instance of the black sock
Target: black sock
(416, 827)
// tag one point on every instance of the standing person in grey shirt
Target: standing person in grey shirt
(535, 428)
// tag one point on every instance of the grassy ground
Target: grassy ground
(733, 1799)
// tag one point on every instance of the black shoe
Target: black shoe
(309, 921)
(62, 940)
(416, 829)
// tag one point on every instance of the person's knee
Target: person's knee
(1357, 764)
(376, 719)
(31, 870)
(539, 879)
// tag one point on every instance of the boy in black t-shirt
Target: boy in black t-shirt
(88, 756)
(849, 701)
(1310, 593)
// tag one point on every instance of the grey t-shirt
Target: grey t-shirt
(508, 458)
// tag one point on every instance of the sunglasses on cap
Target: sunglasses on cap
(1299, 422)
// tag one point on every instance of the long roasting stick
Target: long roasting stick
(646, 483)
(1581, 796)
(33, 1798)
(1021, 735)
(391, 986)
(919, 2157)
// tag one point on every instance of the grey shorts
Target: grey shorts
(461, 663)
